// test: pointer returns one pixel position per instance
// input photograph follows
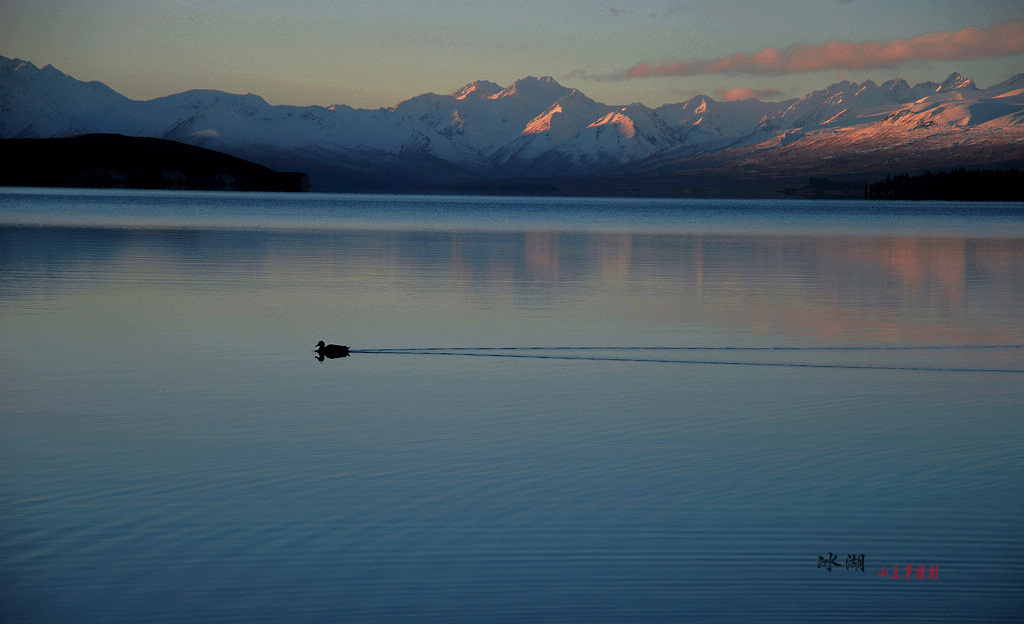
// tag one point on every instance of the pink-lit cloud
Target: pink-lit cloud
(745, 93)
(970, 43)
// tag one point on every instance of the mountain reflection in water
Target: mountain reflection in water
(823, 288)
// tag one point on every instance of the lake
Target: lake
(554, 410)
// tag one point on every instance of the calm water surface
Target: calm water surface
(555, 410)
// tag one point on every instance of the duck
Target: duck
(330, 351)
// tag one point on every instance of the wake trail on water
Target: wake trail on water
(585, 354)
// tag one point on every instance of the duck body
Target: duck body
(330, 351)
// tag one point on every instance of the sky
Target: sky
(377, 53)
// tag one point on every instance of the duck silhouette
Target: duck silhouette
(330, 351)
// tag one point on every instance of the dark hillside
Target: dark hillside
(116, 161)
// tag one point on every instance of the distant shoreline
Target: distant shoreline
(999, 185)
(115, 161)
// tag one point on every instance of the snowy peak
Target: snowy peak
(956, 82)
(9, 66)
(640, 123)
(1011, 84)
(477, 89)
(49, 79)
(840, 101)
(897, 90)
(618, 120)
(533, 87)
(48, 103)
(617, 137)
(202, 99)
(944, 114)
(553, 127)
(704, 120)
(570, 112)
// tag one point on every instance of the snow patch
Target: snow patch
(1011, 94)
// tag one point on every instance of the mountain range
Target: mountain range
(547, 136)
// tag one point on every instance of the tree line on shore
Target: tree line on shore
(954, 185)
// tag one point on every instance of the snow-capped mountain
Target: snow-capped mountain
(555, 141)
(539, 128)
(707, 124)
(853, 131)
(846, 100)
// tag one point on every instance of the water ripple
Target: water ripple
(517, 352)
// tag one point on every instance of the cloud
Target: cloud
(745, 93)
(970, 43)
